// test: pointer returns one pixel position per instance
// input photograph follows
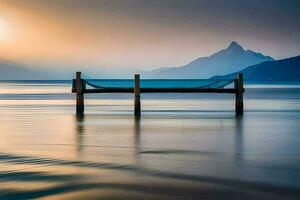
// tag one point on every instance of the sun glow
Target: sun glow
(3, 30)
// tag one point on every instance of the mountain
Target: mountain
(286, 70)
(232, 59)
(10, 70)
(16, 71)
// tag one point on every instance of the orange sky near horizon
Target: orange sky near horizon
(34, 37)
(62, 33)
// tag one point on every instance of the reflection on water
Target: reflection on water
(79, 133)
(239, 143)
(169, 153)
(137, 135)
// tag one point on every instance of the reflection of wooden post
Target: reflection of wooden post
(79, 94)
(239, 87)
(137, 97)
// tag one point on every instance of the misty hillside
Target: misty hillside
(285, 70)
(232, 59)
(14, 71)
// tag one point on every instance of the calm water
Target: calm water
(160, 83)
(185, 146)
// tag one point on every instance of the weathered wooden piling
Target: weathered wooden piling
(79, 94)
(137, 96)
(239, 90)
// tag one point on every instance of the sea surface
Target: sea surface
(185, 146)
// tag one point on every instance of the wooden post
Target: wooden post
(239, 87)
(79, 94)
(137, 97)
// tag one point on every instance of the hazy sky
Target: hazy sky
(143, 33)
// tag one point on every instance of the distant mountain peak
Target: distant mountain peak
(233, 58)
(235, 46)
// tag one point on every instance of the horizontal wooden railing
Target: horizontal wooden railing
(161, 90)
(80, 89)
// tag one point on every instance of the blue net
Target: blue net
(159, 83)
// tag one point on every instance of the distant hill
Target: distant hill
(286, 70)
(16, 71)
(13, 71)
(232, 59)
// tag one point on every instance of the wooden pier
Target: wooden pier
(79, 87)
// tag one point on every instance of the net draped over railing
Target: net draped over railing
(159, 83)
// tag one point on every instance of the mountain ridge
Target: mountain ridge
(229, 60)
(284, 70)
(10, 70)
